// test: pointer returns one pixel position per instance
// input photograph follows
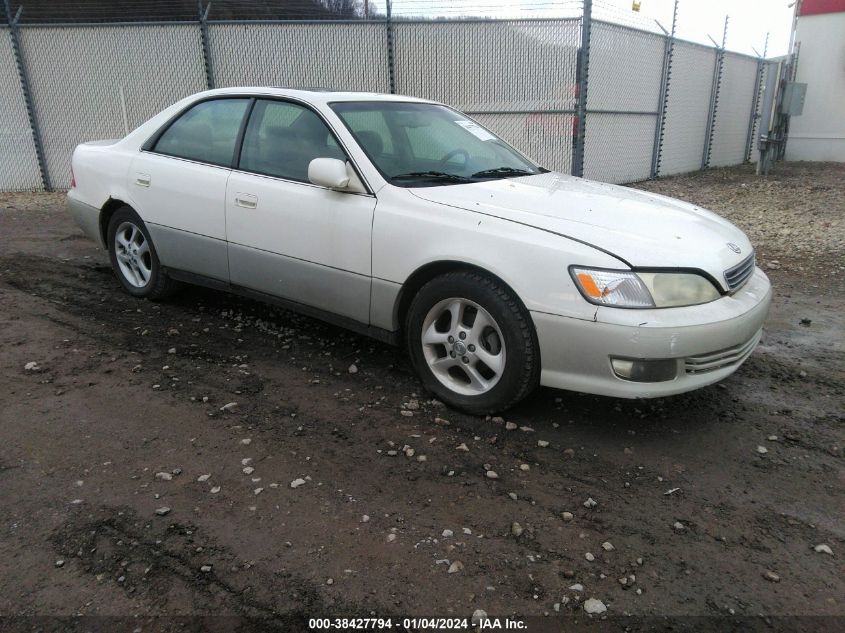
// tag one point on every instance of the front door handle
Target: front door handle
(142, 180)
(246, 200)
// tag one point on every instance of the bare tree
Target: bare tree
(342, 8)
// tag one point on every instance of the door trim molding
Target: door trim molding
(380, 334)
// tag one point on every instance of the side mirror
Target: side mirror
(328, 172)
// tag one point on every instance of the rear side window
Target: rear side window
(283, 138)
(206, 133)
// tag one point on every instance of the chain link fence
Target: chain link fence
(623, 96)
(346, 56)
(18, 160)
(736, 95)
(652, 105)
(516, 77)
(93, 82)
(687, 108)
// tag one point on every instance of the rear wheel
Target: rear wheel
(472, 342)
(133, 257)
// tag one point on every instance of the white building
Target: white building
(819, 133)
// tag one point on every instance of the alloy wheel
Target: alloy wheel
(132, 251)
(463, 346)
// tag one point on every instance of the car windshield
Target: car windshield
(424, 145)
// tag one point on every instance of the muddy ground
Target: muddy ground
(711, 503)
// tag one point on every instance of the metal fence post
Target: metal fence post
(665, 78)
(206, 54)
(714, 98)
(14, 31)
(583, 80)
(755, 101)
(391, 71)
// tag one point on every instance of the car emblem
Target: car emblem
(736, 249)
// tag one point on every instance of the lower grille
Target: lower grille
(722, 358)
(740, 273)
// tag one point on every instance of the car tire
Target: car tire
(478, 366)
(134, 259)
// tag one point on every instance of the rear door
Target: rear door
(288, 237)
(178, 184)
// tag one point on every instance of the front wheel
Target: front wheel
(472, 342)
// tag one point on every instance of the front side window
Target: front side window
(421, 144)
(282, 139)
(206, 133)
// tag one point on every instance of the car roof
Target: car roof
(316, 95)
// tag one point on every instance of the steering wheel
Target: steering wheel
(451, 155)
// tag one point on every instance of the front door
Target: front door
(288, 237)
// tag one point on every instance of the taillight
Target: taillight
(72, 179)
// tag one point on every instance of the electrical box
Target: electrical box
(793, 98)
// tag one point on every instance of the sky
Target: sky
(749, 22)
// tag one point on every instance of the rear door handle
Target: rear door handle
(142, 180)
(246, 200)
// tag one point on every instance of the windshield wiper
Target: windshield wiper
(502, 171)
(430, 175)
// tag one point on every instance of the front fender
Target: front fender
(410, 233)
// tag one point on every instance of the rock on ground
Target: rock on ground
(594, 606)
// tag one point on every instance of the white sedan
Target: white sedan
(406, 220)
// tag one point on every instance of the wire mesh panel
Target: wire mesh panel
(490, 65)
(736, 92)
(349, 56)
(544, 137)
(625, 69)
(18, 162)
(623, 92)
(687, 107)
(77, 75)
(617, 147)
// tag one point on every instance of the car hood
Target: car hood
(642, 229)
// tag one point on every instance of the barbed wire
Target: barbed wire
(47, 11)
(108, 11)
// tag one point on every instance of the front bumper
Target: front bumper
(709, 342)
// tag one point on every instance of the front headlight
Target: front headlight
(679, 289)
(627, 289)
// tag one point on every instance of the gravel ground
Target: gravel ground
(215, 456)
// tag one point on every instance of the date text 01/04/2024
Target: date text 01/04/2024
(416, 624)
